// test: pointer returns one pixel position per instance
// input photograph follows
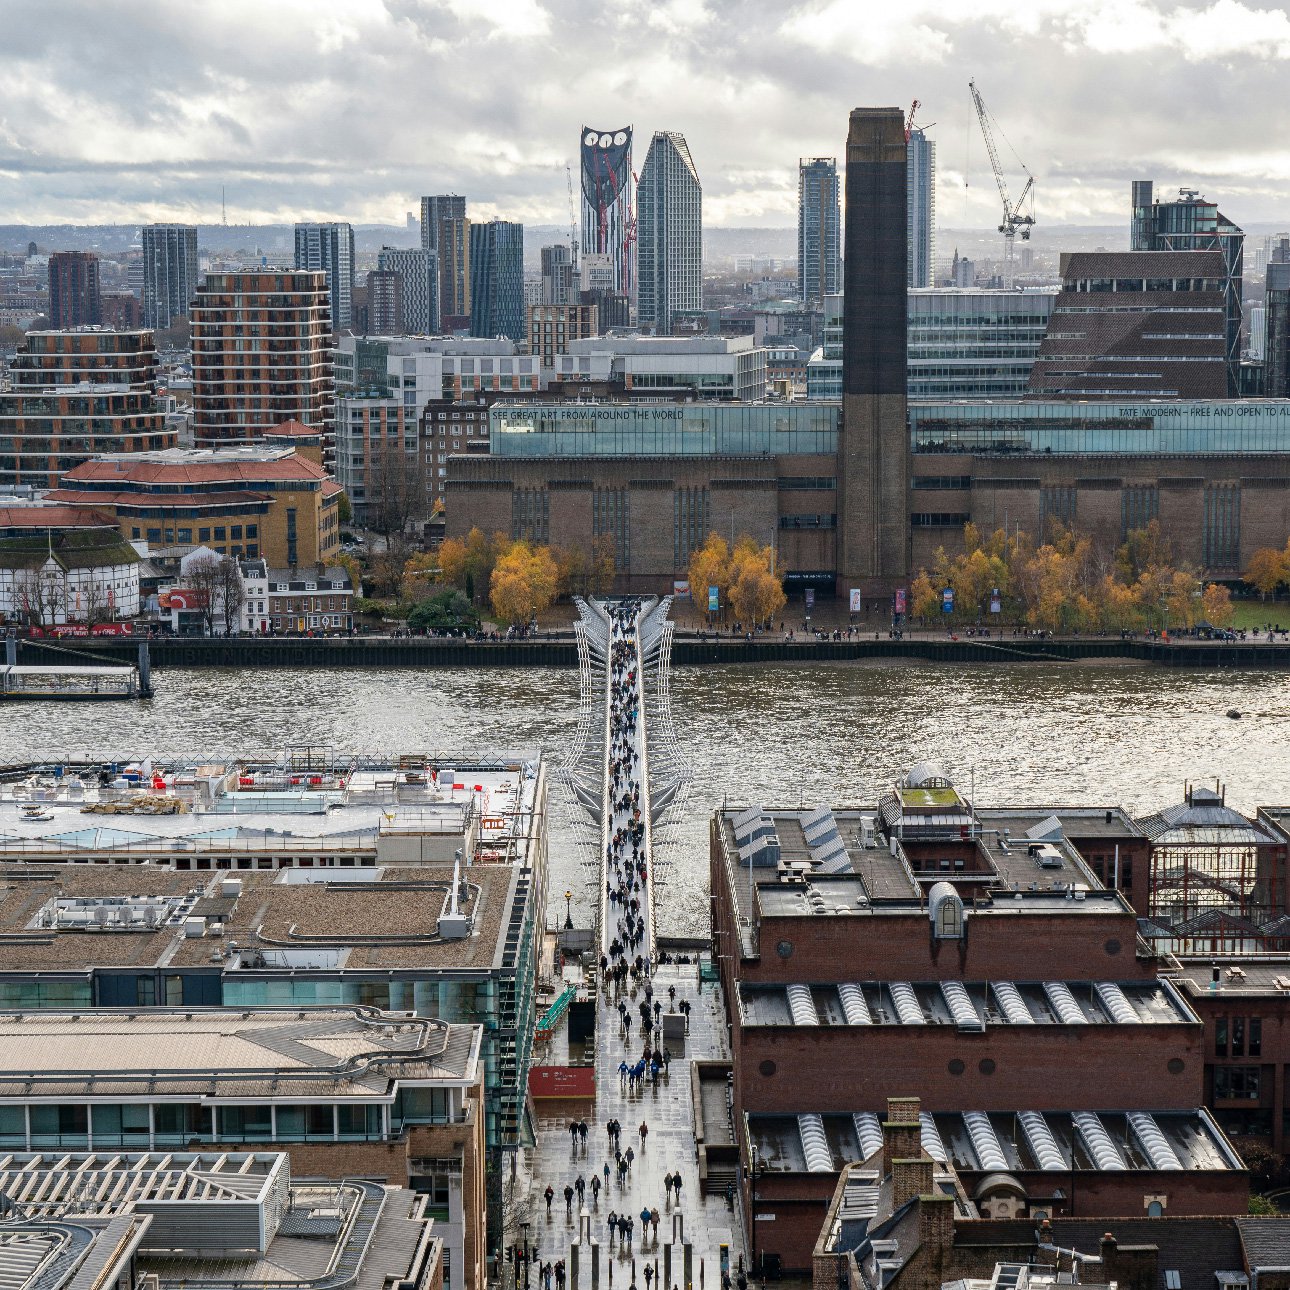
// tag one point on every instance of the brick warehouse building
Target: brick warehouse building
(1001, 976)
(896, 480)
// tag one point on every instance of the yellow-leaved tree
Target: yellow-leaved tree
(523, 583)
(1216, 603)
(1267, 571)
(710, 567)
(756, 594)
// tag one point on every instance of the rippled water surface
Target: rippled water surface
(785, 734)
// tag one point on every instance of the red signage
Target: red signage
(80, 629)
(562, 1081)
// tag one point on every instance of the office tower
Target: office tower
(497, 280)
(385, 303)
(920, 169)
(1193, 223)
(819, 229)
(330, 247)
(1136, 324)
(169, 273)
(418, 288)
(445, 231)
(74, 299)
(873, 453)
(559, 275)
(1276, 348)
(669, 233)
(607, 201)
(241, 386)
(962, 271)
(596, 287)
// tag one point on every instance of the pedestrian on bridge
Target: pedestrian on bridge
(568, 1201)
(644, 1133)
(548, 1196)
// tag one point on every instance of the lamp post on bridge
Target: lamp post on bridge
(568, 911)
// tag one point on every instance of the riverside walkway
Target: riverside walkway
(626, 1204)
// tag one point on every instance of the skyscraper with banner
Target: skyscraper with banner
(608, 226)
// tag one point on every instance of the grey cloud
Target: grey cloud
(129, 107)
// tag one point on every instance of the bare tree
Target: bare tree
(232, 594)
(396, 488)
(92, 602)
(41, 594)
(217, 587)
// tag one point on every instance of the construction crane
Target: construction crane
(909, 120)
(1018, 216)
(573, 217)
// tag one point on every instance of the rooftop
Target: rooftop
(196, 465)
(1013, 1141)
(344, 1052)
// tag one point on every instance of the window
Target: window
(1236, 1083)
(185, 535)
(203, 535)
(253, 531)
(1238, 1036)
(1220, 1037)
(220, 535)
(236, 532)
(1256, 1037)
(239, 1122)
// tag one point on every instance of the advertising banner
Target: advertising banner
(712, 600)
(681, 590)
(900, 600)
(810, 598)
(947, 600)
(996, 602)
(855, 600)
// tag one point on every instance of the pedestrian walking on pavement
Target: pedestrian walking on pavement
(676, 1184)
(573, 1132)
(580, 1186)
(644, 1132)
(612, 1223)
(549, 1196)
(568, 1200)
(667, 1184)
(653, 1219)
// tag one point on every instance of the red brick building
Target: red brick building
(973, 959)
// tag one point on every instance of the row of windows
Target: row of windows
(808, 521)
(215, 533)
(822, 483)
(1236, 1082)
(942, 481)
(938, 520)
(1238, 1037)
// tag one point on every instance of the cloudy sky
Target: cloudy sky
(132, 110)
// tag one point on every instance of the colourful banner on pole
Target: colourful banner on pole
(680, 590)
(855, 600)
(712, 600)
(900, 600)
(947, 600)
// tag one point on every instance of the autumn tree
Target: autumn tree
(523, 582)
(468, 563)
(710, 567)
(1266, 572)
(420, 569)
(756, 594)
(1143, 548)
(924, 597)
(1216, 603)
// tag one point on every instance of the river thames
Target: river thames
(787, 735)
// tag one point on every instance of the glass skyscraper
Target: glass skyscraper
(169, 273)
(819, 229)
(669, 233)
(920, 182)
(497, 280)
(330, 247)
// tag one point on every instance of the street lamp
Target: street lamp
(524, 1235)
(568, 911)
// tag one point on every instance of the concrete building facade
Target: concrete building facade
(74, 297)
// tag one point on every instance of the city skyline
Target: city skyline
(237, 97)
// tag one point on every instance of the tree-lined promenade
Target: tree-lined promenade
(1067, 585)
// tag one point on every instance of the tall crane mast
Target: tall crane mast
(1018, 216)
(573, 218)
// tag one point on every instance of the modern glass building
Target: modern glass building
(819, 229)
(497, 280)
(169, 272)
(445, 233)
(669, 233)
(920, 187)
(962, 343)
(1164, 428)
(662, 430)
(969, 344)
(330, 247)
